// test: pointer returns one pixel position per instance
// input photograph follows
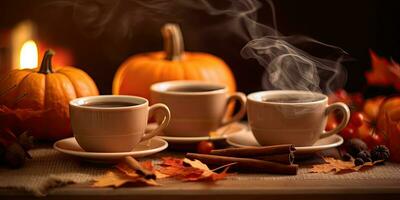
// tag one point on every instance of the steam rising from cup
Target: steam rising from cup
(287, 67)
(287, 64)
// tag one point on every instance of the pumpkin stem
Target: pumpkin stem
(173, 41)
(46, 66)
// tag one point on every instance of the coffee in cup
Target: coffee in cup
(197, 107)
(113, 123)
(291, 117)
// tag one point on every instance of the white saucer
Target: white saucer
(220, 134)
(71, 147)
(247, 139)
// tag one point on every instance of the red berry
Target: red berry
(205, 147)
(377, 139)
(330, 126)
(341, 94)
(358, 99)
(348, 132)
(357, 119)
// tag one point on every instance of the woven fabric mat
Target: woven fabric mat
(49, 169)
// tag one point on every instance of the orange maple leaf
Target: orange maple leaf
(384, 72)
(189, 170)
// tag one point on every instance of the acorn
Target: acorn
(358, 161)
(364, 155)
(346, 157)
(380, 152)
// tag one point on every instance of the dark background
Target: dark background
(356, 26)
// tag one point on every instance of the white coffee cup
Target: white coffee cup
(291, 117)
(101, 125)
(197, 107)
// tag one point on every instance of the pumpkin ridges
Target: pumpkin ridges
(79, 79)
(118, 80)
(157, 70)
(13, 80)
(176, 71)
(138, 72)
(59, 91)
(17, 93)
(33, 86)
(166, 71)
(137, 77)
(48, 91)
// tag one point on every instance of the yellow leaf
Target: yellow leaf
(118, 179)
(340, 166)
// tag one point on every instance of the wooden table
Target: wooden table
(235, 187)
(232, 190)
(381, 182)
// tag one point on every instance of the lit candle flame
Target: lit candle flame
(28, 58)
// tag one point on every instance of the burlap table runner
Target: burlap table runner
(49, 169)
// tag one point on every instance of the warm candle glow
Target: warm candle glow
(28, 58)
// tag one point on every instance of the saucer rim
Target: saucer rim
(105, 155)
(303, 149)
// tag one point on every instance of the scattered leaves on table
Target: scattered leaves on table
(170, 167)
(124, 175)
(339, 166)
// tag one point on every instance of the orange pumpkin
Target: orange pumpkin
(139, 72)
(49, 89)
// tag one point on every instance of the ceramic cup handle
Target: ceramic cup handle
(241, 98)
(167, 116)
(346, 116)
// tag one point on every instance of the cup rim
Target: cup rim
(162, 87)
(256, 96)
(78, 102)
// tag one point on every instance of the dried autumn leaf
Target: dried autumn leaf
(10, 118)
(207, 173)
(118, 179)
(383, 73)
(339, 166)
(173, 167)
(147, 165)
(127, 170)
(216, 176)
(171, 161)
(196, 164)
(195, 171)
(181, 172)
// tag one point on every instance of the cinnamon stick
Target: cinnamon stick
(286, 159)
(246, 164)
(255, 151)
(132, 162)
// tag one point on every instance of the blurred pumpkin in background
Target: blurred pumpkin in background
(139, 72)
(49, 89)
(388, 122)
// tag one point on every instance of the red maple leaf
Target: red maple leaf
(15, 118)
(384, 72)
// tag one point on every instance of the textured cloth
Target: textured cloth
(49, 169)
